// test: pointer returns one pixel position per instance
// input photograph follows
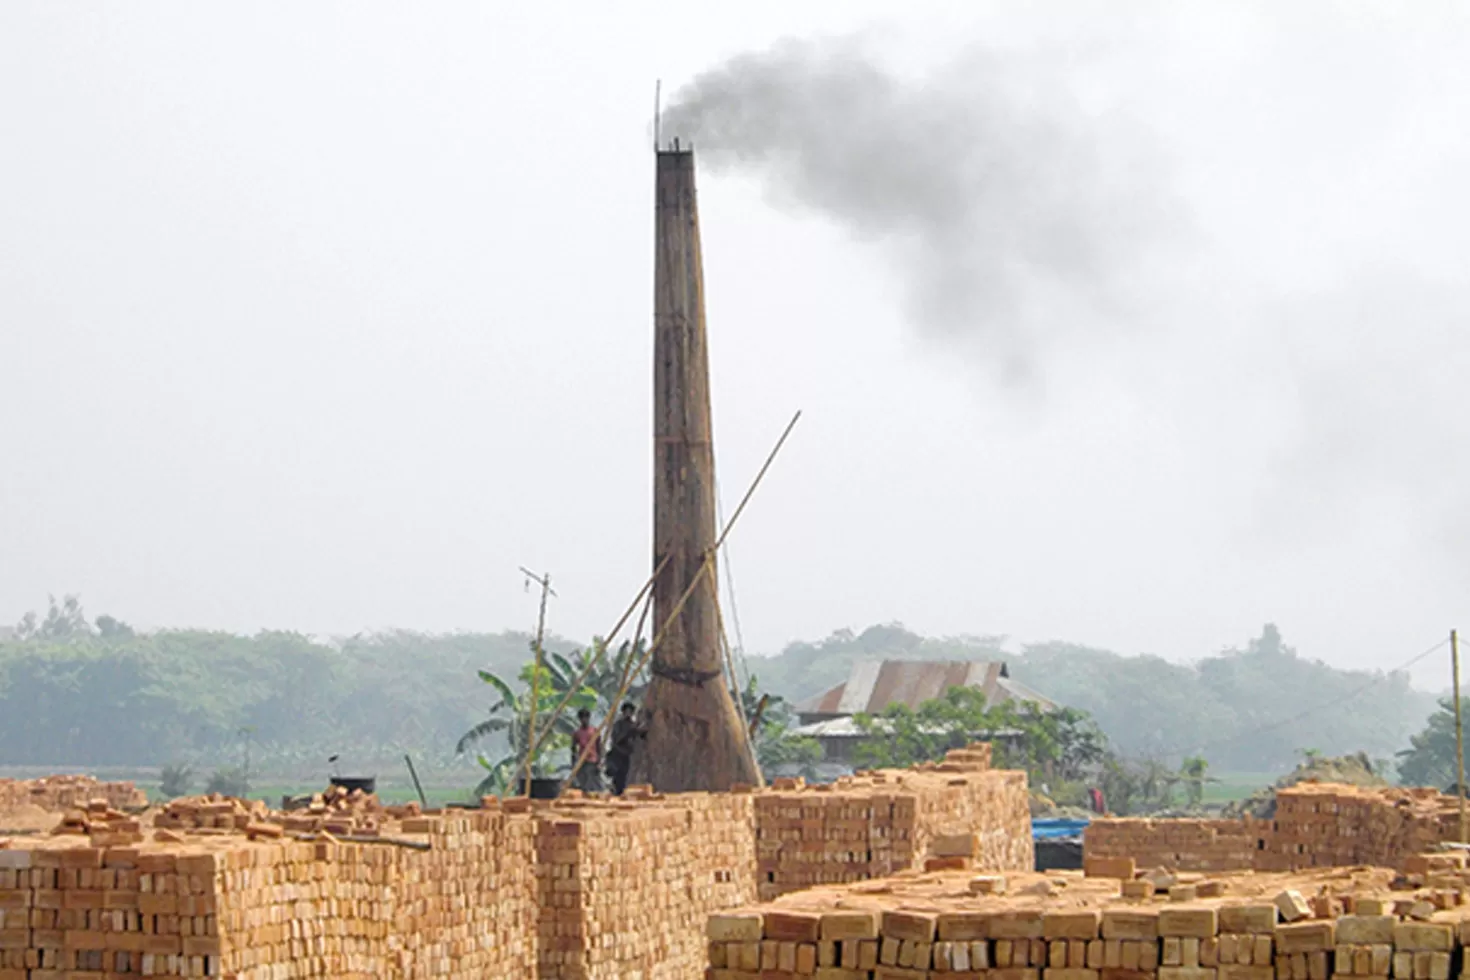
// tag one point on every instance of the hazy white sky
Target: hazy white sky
(329, 316)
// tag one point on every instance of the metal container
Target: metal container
(368, 784)
(541, 789)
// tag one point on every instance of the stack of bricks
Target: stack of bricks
(1195, 845)
(81, 911)
(573, 889)
(874, 824)
(1316, 825)
(722, 829)
(61, 793)
(293, 909)
(994, 805)
(1323, 824)
(461, 905)
(1247, 944)
(624, 889)
(467, 907)
(1359, 922)
(807, 838)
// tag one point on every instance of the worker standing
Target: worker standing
(620, 754)
(587, 754)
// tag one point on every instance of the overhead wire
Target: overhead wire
(1326, 704)
(740, 681)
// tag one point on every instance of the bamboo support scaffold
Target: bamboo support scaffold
(705, 568)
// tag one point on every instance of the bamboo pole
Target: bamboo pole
(423, 800)
(736, 694)
(597, 656)
(545, 582)
(631, 666)
(1459, 733)
(759, 476)
(606, 725)
(704, 569)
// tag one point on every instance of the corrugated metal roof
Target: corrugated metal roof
(846, 727)
(852, 695)
(1020, 692)
(873, 686)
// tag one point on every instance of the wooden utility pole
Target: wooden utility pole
(1459, 732)
(696, 737)
(531, 747)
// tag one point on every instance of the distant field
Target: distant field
(455, 787)
(389, 791)
(1234, 786)
(439, 787)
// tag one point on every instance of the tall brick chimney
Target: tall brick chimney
(696, 738)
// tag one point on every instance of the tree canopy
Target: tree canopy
(108, 696)
(1051, 745)
(1430, 758)
(1249, 708)
(77, 691)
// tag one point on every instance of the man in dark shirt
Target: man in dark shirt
(625, 732)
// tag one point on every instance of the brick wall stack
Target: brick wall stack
(956, 926)
(625, 889)
(457, 900)
(574, 889)
(1195, 845)
(71, 910)
(302, 909)
(842, 835)
(60, 793)
(467, 907)
(1315, 825)
(463, 906)
(1324, 824)
(994, 805)
(874, 824)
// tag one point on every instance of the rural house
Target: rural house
(874, 685)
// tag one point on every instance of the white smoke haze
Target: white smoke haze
(1132, 323)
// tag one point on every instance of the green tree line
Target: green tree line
(76, 691)
(75, 694)
(1246, 709)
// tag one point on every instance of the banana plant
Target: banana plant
(511, 715)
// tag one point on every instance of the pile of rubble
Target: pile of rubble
(104, 826)
(336, 811)
(58, 793)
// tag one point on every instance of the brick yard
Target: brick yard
(568, 889)
(894, 875)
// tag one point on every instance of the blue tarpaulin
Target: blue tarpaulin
(1057, 829)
